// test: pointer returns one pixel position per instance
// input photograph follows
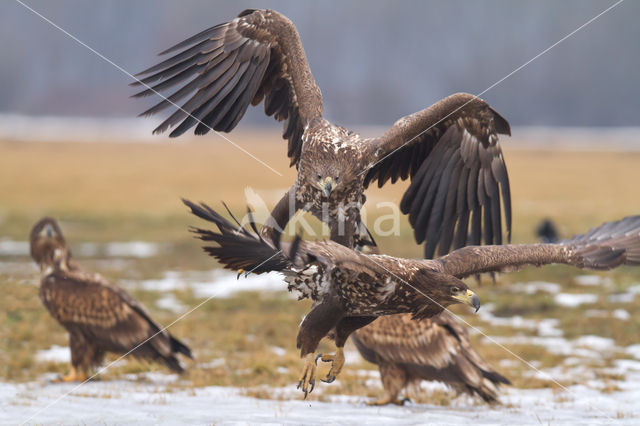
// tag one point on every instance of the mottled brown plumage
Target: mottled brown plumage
(437, 348)
(99, 316)
(450, 151)
(350, 289)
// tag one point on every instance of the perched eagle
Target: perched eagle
(351, 289)
(438, 348)
(450, 151)
(99, 316)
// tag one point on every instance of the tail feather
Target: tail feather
(178, 347)
(237, 248)
(609, 245)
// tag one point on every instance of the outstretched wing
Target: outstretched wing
(452, 155)
(223, 69)
(436, 348)
(605, 247)
(108, 317)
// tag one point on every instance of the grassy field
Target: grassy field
(131, 191)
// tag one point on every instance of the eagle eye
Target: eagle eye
(455, 290)
(319, 177)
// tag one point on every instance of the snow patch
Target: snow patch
(574, 300)
(14, 248)
(634, 350)
(58, 354)
(141, 402)
(215, 283)
(170, 303)
(535, 287)
(139, 249)
(592, 280)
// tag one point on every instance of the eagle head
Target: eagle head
(460, 293)
(326, 184)
(47, 243)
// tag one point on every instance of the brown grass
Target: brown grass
(121, 191)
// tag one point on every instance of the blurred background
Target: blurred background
(373, 60)
(71, 147)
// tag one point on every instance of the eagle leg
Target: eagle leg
(73, 376)
(387, 399)
(343, 330)
(308, 377)
(337, 362)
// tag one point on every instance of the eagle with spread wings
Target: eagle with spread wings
(449, 151)
(407, 351)
(99, 316)
(350, 289)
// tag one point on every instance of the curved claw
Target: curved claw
(312, 383)
(317, 358)
(329, 379)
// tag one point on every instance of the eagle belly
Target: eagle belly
(368, 295)
(311, 282)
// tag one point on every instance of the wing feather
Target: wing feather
(604, 247)
(257, 56)
(420, 147)
(437, 348)
(107, 316)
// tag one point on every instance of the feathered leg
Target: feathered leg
(81, 354)
(314, 327)
(345, 327)
(394, 379)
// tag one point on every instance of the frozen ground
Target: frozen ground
(147, 401)
(156, 399)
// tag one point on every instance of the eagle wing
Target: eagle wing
(223, 69)
(450, 151)
(108, 316)
(436, 348)
(401, 340)
(604, 247)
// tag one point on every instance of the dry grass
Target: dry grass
(115, 192)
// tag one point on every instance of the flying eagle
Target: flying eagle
(449, 151)
(350, 289)
(99, 316)
(438, 348)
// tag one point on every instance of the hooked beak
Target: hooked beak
(327, 186)
(48, 231)
(469, 298)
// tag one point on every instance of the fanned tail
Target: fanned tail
(237, 248)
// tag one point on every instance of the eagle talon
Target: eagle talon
(317, 358)
(337, 362)
(307, 380)
(73, 376)
(329, 379)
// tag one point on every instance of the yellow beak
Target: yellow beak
(469, 298)
(327, 185)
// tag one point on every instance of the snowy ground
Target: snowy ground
(156, 399)
(147, 401)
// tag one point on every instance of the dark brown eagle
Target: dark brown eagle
(351, 289)
(450, 151)
(99, 316)
(438, 348)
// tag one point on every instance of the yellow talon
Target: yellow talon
(387, 400)
(73, 376)
(308, 377)
(337, 362)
